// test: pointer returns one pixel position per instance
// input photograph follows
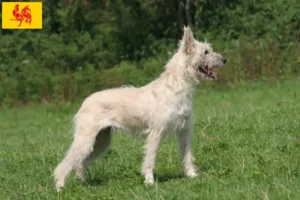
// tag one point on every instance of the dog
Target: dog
(162, 106)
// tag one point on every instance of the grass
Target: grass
(246, 144)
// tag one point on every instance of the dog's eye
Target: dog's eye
(205, 52)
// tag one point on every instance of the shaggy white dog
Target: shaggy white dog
(152, 111)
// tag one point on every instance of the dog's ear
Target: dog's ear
(188, 40)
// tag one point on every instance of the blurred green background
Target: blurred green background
(89, 45)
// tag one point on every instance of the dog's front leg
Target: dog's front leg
(151, 146)
(184, 139)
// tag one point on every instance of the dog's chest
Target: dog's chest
(180, 113)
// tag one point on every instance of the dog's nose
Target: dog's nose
(224, 60)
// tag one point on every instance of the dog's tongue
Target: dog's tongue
(213, 75)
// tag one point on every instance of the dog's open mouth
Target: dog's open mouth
(208, 72)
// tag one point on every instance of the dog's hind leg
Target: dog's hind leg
(81, 148)
(151, 147)
(102, 143)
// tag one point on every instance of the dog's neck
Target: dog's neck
(176, 69)
(174, 77)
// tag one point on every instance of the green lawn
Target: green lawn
(246, 144)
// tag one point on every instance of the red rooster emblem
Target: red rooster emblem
(25, 14)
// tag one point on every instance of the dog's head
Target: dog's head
(201, 59)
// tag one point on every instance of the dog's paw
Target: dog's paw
(58, 188)
(149, 180)
(191, 174)
(59, 185)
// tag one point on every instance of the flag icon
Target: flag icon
(22, 15)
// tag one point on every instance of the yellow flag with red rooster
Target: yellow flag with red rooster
(22, 15)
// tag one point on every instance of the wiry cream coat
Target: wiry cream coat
(152, 111)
